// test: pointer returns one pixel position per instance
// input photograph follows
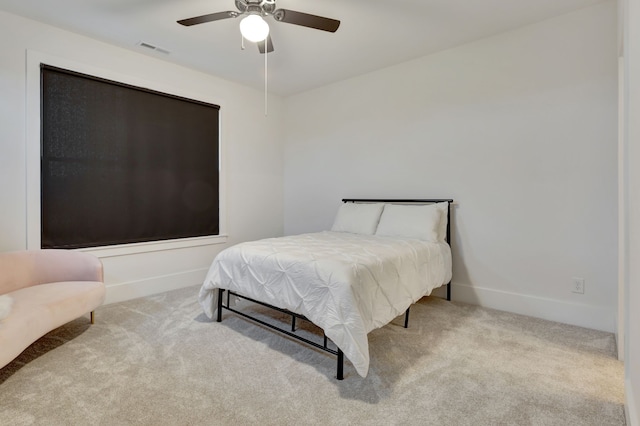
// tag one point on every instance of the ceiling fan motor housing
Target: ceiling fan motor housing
(258, 7)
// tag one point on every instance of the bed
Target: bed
(379, 258)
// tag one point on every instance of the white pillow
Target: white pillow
(419, 222)
(358, 218)
(5, 306)
(444, 219)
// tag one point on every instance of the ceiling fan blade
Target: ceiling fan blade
(306, 20)
(208, 18)
(269, 45)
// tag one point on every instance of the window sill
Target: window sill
(151, 246)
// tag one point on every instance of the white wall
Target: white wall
(631, 190)
(520, 129)
(252, 151)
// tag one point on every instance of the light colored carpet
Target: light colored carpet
(159, 361)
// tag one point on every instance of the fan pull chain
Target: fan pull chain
(241, 42)
(266, 52)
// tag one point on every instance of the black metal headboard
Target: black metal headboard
(416, 201)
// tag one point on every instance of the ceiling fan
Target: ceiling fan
(255, 10)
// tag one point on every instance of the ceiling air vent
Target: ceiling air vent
(152, 47)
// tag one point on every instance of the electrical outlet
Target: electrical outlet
(577, 285)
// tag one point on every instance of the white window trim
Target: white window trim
(32, 155)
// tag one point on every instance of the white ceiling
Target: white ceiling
(373, 33)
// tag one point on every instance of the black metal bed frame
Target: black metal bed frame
(324, 346)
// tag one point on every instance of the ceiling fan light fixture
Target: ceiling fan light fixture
(254, 28)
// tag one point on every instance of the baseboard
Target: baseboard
(133, 289)
(588, 316)
(630, 408)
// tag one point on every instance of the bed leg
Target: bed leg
(406, 318)
(340, 371)
(449, 291)
(220, 293)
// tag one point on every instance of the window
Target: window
(123, 164)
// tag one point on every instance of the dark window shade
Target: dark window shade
(122, 164)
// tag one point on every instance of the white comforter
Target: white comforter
(347, 284)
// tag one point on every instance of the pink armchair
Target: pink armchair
(48, 288)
